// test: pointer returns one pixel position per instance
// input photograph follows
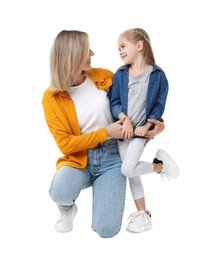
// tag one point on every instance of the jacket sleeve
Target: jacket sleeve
(114, 96)
(160, 101)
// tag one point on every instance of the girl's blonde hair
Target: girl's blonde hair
(69, 52)
(138, 34)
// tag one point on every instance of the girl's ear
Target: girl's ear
(140, 45)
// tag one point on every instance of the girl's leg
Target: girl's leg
(140, 204)
(109, 188)
(137, 192)
(131, 165)
(140, 220)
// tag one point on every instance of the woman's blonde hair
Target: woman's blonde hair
(69, 52)
(138, 34)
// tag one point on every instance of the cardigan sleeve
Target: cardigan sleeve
(66, 131)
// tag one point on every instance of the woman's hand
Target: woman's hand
(158, 128)
(115, 130)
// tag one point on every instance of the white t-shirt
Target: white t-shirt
(92, 106)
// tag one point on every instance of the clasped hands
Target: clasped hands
(129, 131)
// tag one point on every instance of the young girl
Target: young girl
(138, 94)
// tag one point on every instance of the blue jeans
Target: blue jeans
(103, 173)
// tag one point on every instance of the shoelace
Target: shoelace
(60, 216)
(63, 215)
(134, 215)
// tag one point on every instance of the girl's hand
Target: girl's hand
(141, 130)
(127, 129)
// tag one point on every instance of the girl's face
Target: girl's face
(128, 51)
(87, 64)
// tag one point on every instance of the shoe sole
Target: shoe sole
(140, 230)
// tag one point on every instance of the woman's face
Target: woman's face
(87, 64)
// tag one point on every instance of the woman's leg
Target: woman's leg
(67, 184)
(64, 190)
(109, 188)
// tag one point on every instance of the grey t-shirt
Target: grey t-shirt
(137, 93)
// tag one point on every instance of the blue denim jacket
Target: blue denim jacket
(156, 95)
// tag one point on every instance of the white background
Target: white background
(183, 211)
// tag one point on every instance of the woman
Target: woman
(77, 112)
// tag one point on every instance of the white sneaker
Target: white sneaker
(139, 222)
(65, 221)
(170, 168)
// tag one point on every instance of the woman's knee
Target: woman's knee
(67, 184)
(105, 231)
(61, 197)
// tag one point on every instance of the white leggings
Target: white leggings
(130, 152)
